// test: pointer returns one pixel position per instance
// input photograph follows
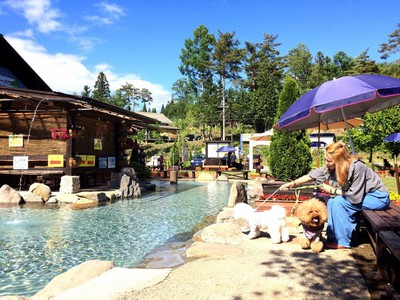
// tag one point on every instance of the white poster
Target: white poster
(111, 162)
(20, 162)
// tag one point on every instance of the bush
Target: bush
(289, 155)
(141, 170)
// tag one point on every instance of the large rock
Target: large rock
(205, 177)
(226, 216)
(94, 196)
(129, 188)
(115, 283)
(9, 195)
(40, 190)
(220, 233)
(255, 188)
(73, 278)
(237, 194)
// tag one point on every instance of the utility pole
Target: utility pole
(223, 109)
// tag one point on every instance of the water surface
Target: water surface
(39, 242)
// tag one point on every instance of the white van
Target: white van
(325, 138)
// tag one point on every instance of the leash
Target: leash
(297, 191)
(265, 200)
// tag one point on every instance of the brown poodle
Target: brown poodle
(313, 215)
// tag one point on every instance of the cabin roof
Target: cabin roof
(14, 63)
(55, 100)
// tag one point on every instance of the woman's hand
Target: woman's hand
(287, 185)
(328, 189)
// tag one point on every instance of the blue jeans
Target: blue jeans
(342, 215)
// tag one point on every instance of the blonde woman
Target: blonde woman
(354, 187)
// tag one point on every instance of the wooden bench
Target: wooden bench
(215, 167)
(239, 174)
(383, 228)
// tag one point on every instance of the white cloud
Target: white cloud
(38, 12)
(67, 73)
(109, 13)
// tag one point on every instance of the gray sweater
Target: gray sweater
(362, 180)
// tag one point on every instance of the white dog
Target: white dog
(273, 220)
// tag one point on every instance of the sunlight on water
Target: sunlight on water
(38, 243)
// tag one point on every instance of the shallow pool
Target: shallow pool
(38, 243)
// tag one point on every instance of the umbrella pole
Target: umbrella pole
(347, 128)
(396, 174)
(318, 156)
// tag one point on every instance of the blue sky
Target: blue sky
(68, 42)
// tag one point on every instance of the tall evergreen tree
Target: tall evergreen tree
(289, 155)
(299, 62)
(101, 88)
(227, 64)
(264, 69)
(364, 65)
(393, 44)
(86, 91)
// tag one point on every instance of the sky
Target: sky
(68, 42)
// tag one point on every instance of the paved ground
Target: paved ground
(263, 271)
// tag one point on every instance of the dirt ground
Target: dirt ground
(366, 261)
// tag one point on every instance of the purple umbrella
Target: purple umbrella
(394, 137)
(341, 99)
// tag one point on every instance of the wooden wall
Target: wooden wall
(40, 141)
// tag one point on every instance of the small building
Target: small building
(47, 134)
(168, 132)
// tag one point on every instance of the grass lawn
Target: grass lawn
(390, 182)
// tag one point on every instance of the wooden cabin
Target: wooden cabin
(45, 135)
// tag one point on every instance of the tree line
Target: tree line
(127, 96)
(225, 81)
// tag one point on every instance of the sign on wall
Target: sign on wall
(20, 162)
(55, 161)
(16, 140)
(97, 144)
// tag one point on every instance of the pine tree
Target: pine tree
(289, 153)
(102, 88)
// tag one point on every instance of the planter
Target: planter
(59, 134)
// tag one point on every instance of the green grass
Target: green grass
(390, 182)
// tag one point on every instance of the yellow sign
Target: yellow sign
(91, 160)
(55, 161)
(97, 144)
(84, 160)
(16, 140)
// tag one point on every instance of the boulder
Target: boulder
(225, 216)
(205, 177)
(94, 196)
(32, 198)
(238, 194)
(220, 233)
(255, 188)
(129, 188)
(41, 190)
(73, 277)
(9, 195)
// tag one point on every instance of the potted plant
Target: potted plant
(59, 134)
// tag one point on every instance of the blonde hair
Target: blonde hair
(342, 159)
